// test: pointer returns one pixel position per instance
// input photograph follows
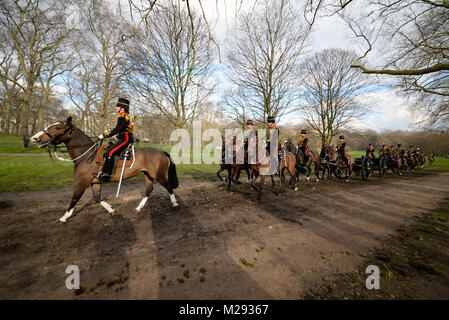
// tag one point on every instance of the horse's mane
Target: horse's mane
(83, 136)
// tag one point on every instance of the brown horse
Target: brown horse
(260, 166)
(395, 163)
(411, 162)
(421, 160)
(154, 164)
(234, 169)
(288, 161)
(338, 163)
(314, 158)
(431, 159)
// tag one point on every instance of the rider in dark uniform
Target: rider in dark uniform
(391, 150)
(341, 149)
(383, 151)
(250, 134)
(302, 145)
(370, 151)
(401, 151)
(124, 129)
(273, 139)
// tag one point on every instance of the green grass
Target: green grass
(21, 173)
(31, 172)
(441, 164)
(13, 143)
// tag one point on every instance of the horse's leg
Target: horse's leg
(228, 187)
(149, 189)
(249, 176)
(291, 170)
(78, 191)
(350, 172)
(309, 169)
(163, 181)
(253, 179)
(218, 173)
(237, 175)
(317, 171)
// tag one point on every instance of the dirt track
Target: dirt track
(216, 245)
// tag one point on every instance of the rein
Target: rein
(50, 143)
(96, 144)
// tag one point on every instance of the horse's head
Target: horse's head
(54, 134)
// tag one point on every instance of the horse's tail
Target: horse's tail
(172, 176)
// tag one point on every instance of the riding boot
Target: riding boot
(106, 171)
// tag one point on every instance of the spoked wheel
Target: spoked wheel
(366, 168)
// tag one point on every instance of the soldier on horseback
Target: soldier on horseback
(401, 151)
(273, 140)
(302, 145)
(370, 151)
(124, 129)
(383, 151)
(249, 134)
(391, 151)
(341, 149)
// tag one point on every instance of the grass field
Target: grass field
(32, 172)
(13, 143)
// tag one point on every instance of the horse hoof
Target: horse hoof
(317, 180)
(347, 180)
(59, 222)
(238, 182)
(175, 205)
(307, 178)
(296, 189)
(138, 209)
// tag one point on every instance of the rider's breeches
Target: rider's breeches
(124, 139)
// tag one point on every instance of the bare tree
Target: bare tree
(10, 79)
(263, 60)
(413, 34)
(173, 64)
(330, 90)
(35, 29)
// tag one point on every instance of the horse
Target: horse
(314, 159)
(395, 163)
(337, 161)
(154, 164)
(288, 161)
(234, 169)
(411, 162)
(431, 159)
(260, 164)
(325, 161)
(421, 160)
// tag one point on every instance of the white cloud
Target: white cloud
(389, 110)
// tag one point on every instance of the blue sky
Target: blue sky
(389, 110)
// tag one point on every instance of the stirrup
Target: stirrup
(102, 176)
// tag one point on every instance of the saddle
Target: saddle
(125, 155)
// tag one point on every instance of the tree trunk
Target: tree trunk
(26, 107)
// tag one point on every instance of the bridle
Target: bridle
(52, 139)
(52, 142)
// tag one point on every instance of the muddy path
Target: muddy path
(216, 245)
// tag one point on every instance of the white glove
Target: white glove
(101, 136)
